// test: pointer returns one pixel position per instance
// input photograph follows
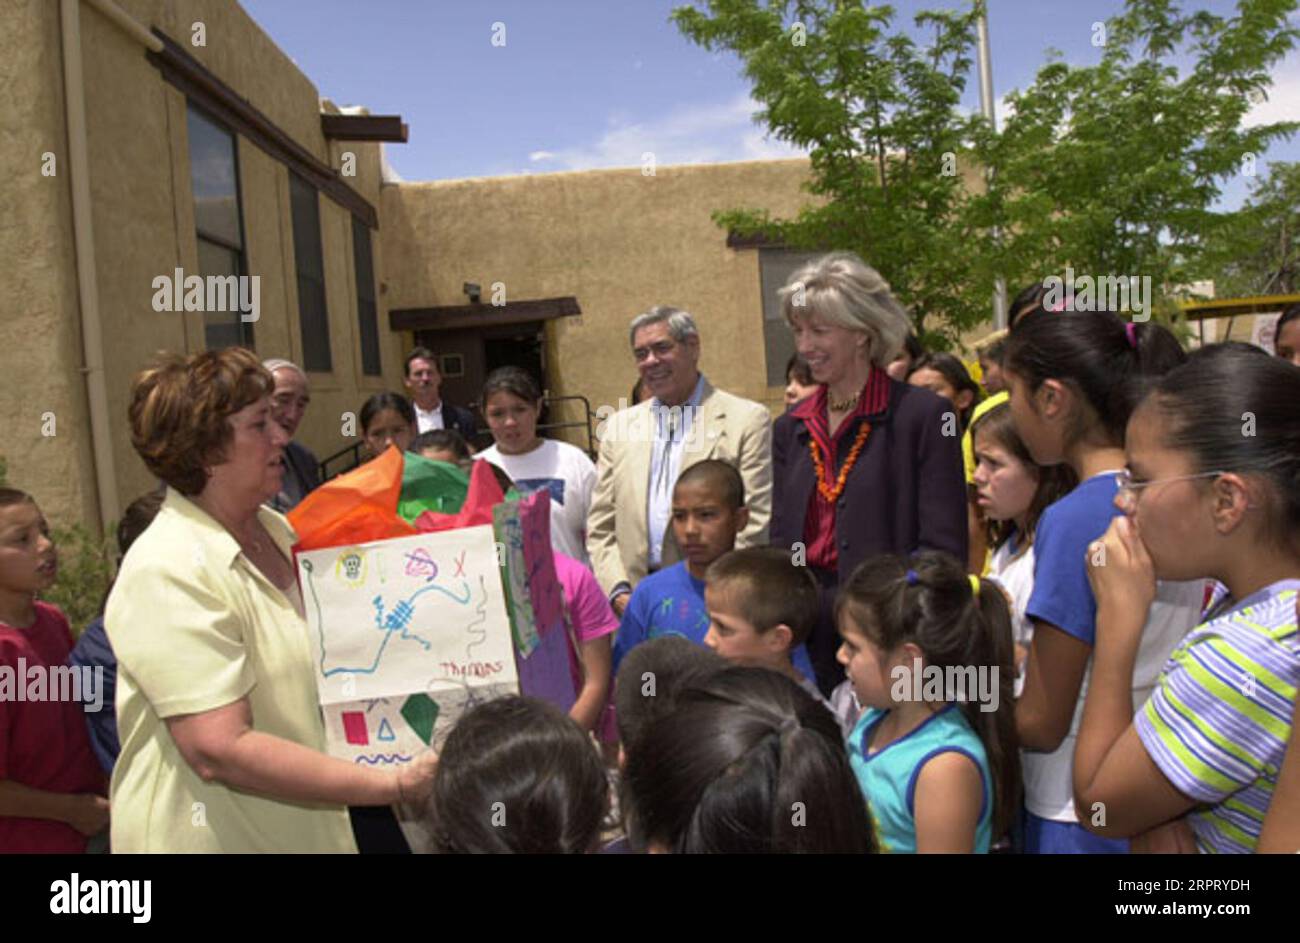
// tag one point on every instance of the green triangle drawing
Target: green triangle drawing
(421, 712)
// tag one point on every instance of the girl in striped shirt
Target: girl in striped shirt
(1211, 489)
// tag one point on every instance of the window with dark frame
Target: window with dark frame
(367, 313)
(775, 267)
(309, 263)
(218, 221)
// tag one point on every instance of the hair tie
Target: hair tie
(1130, 329)
(912, 578)
(790, 725)
(974, 585)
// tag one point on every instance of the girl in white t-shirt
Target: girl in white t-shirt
(512, 403)
(1012, 491)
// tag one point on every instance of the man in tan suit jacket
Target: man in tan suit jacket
(644, 448)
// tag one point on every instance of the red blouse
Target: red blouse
(819, 522)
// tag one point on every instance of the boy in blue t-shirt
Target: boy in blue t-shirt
(708, 511)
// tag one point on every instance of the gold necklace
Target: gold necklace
(843, 405)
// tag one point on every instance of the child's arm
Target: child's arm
(632, 629)
(85, 811)
(1281, 832)
(1118, 790)
(597, 658)
(947, 803)
(1056, 665)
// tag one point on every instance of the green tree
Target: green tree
(879, 115)
(1259, 253)
(1115, 169)
(1112, 169)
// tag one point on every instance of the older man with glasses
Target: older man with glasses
(644, 448)
(289, 402)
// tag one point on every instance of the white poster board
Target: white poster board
(407, 634)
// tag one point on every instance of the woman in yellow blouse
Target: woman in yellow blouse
(222, 737)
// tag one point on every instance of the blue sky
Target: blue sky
(595, 83)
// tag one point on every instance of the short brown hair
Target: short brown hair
(180, 407)
(773, 590)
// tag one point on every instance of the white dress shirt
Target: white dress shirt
(672, 427)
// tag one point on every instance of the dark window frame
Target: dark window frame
(246, 335)
(372, 363)
(313, 326)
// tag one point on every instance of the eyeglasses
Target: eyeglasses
(1128, 488)
(661, 349)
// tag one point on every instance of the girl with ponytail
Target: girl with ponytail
(929, 651)
(1074, 378)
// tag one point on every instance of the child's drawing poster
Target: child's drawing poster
(545, 672)
(407, 634)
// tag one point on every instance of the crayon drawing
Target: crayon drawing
(407, 634)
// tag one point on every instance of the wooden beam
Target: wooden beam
(457, 317)
(364, 128)
(213, 95)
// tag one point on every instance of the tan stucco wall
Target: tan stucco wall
(144, 227)
(40, 348)
(617, 240)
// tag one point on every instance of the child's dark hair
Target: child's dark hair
(513, 380)
(649, 679)
(928, 600)
(1101, 357)
(958, 377)
(444, 440)
(1030, 298)
(768, 590)
(137, 517)
(11, 496)
(993, 347)
(716, 473)
(382, 401)
(517, 776)
(746, 762)
(1202, 406)
(912, 347)
(797, 368)
(1289, 315)
(1054, 481)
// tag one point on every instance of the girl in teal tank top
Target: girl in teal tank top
(930, 654)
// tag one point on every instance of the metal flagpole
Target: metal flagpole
(986, 106)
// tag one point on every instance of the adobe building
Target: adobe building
(146, 145)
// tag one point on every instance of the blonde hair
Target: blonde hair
(845, 291)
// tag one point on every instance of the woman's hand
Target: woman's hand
(415, 782)
(1122, 575)
(87, 813)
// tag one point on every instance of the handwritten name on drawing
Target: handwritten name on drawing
(472, 669)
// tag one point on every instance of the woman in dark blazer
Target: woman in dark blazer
(866, 464)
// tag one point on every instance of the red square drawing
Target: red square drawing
(354, 728)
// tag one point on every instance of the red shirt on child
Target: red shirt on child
(44, 744)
